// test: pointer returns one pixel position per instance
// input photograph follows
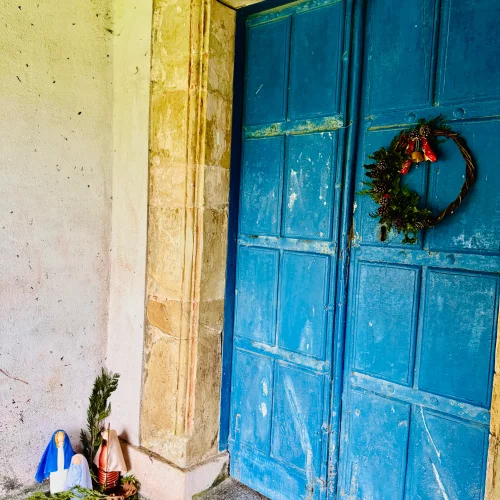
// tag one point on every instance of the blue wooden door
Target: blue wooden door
(291, 178)
(423, 318)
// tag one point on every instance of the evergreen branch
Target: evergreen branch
(99, 409)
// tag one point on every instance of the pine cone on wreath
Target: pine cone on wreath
(383, 209)
(382, 165)
(398, 223)
(380, 188)
(425, 130)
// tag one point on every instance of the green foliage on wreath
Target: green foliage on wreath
(398, 204)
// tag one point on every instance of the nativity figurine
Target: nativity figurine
(78, 473)
(56, 461)
(109, 460)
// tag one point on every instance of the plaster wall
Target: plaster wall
(55, 208)
(131, 77)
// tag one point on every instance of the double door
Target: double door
(363, 369)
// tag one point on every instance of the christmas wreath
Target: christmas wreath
(398, 205)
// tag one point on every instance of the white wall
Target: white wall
(55, 212)
(131, 76)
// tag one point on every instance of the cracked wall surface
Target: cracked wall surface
(191, 112)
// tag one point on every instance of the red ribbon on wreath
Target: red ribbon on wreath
(417, 148)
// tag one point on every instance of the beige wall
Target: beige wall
(55, 209)
(131, 83)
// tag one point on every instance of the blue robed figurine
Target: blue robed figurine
(78, 474)
(55, 461)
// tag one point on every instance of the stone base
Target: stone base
(162, 480)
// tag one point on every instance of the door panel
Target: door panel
(257, 285)
(458, 325)
(469, 51)
(309, 189)
(261, 180)
(287, 248)
(302, 315)
(314, 68)
(437, 465)
(422, 319)
(384, 325)
(267, 72)
(398, 54)
(377, 432)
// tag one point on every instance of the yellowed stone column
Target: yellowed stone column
(191, 100)
(493, 474)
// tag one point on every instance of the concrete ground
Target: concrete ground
(230, 489)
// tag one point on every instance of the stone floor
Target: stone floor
(231, 490)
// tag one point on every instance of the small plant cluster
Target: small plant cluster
(88, 494)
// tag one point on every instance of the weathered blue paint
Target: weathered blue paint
(422, 319)
(419, 321)
(293, 144)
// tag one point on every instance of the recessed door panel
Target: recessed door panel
(303, 315)
(309, 186)
(377, 432)
(458, 328)
(260, 197)
(439, 468)
(470, 51)
(267, 72)
(256, 294)
(298, 419)
(315, 62)
(385, 325)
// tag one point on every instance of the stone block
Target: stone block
(169, 124)
(212, 316)
(218, 132)
(216, 189)
(207, 404)
(166, 247)
(167, 183)
(213, 273)
(159, 399)
(221, 57)
(166, 316)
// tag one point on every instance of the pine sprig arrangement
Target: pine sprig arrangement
(76, 492)
(99, 409)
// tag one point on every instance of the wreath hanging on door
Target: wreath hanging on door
(398, 205)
